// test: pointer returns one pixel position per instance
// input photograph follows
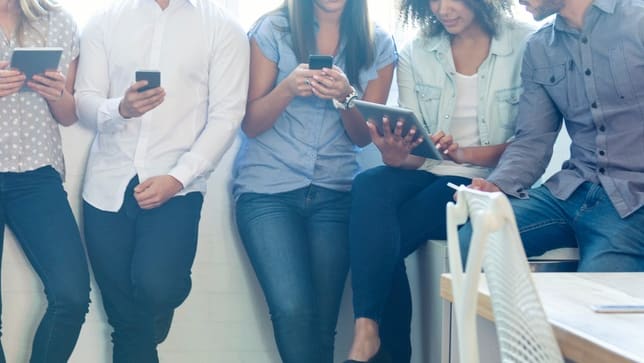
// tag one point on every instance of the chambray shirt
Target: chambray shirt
(307, 144)
(592, 78)
(427, 86)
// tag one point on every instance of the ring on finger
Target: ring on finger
(307, 82)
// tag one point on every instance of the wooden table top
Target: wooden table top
(584, 335)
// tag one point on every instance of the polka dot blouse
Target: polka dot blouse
(29, 135)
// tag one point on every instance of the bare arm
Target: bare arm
(58, 92)
(487, 156)
(266, 101)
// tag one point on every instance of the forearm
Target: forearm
(262, 113)
(486, 156)
(64, 109)
(355, 126)
(412, 162)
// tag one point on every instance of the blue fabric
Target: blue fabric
(34, 205)
(141, 261)
(297, 244)
(307, 144)
(593, 78)
(587, 219)
(394, 211)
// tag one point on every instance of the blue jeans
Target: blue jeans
(394, 212)
(34, 205)
(297, 243)
(587, 219)
(141, 261)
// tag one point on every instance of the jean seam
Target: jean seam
(534, 226)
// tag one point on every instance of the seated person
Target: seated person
(584, 68)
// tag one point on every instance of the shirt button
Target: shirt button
(523, 194)
(588, 72)
(446, 116)
(602, 152)
(602, 170)
(594, 105)
(584, 40)
(552, 79)
(602, 128)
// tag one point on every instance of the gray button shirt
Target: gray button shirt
(592, 78)
(29, 135)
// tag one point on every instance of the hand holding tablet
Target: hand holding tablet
(34, 61)
(375, 113)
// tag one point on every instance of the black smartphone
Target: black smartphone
(153, 78)
(319, 61)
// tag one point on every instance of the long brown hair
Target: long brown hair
(487, 12)
(355, 30)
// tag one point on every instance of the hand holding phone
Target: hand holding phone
(153, 78)
(319, 61)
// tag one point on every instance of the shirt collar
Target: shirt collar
(560, 25)
(191, 2)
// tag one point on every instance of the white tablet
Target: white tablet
(32, 61)
(375, 112)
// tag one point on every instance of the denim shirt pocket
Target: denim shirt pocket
(429, 99)
(551, 78)
(620, 74)
(507, 104)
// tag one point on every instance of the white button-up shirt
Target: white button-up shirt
(203, 58)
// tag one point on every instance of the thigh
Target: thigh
(385, 184)
(328, 232)
(423, 216)
(273, 231)
(38, 213)
(166, 243)
(542, 222)
(110, 241)
(607, 242)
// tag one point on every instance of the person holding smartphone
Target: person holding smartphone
(33, 202)
(461, 77)
(153, 152)
(293, 173)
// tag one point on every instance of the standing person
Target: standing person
(587, 68)
(33, 202)
(460, 76)
(294, 170)
(153, 152)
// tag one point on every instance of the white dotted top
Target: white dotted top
(29, 135)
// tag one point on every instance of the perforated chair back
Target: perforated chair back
(523, 331)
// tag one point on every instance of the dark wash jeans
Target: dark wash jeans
(141, 261)
(297, 242)
(35, 207)
(393, 212)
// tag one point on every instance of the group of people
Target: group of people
(492, 92)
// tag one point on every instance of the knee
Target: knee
(73, 301)
(158, 294)
(290, 312)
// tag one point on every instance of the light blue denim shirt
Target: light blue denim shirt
(593, 78)
(427, 86)
(307, 144)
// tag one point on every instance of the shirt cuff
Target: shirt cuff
(510, 187)
(188, 168)
(109, 118)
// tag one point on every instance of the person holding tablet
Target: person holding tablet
(33, 202)
(460, 76)
(153, 152)
(293, 172)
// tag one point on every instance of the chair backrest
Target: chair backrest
(523, 331)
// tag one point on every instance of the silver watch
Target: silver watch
(348, 101)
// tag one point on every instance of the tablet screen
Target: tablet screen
(32, 61)
(375, 112)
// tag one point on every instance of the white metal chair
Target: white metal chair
(524, 334)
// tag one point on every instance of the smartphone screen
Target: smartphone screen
(318, 61)
(153, 78)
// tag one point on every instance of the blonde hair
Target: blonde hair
(30, 11)
(34, 9)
